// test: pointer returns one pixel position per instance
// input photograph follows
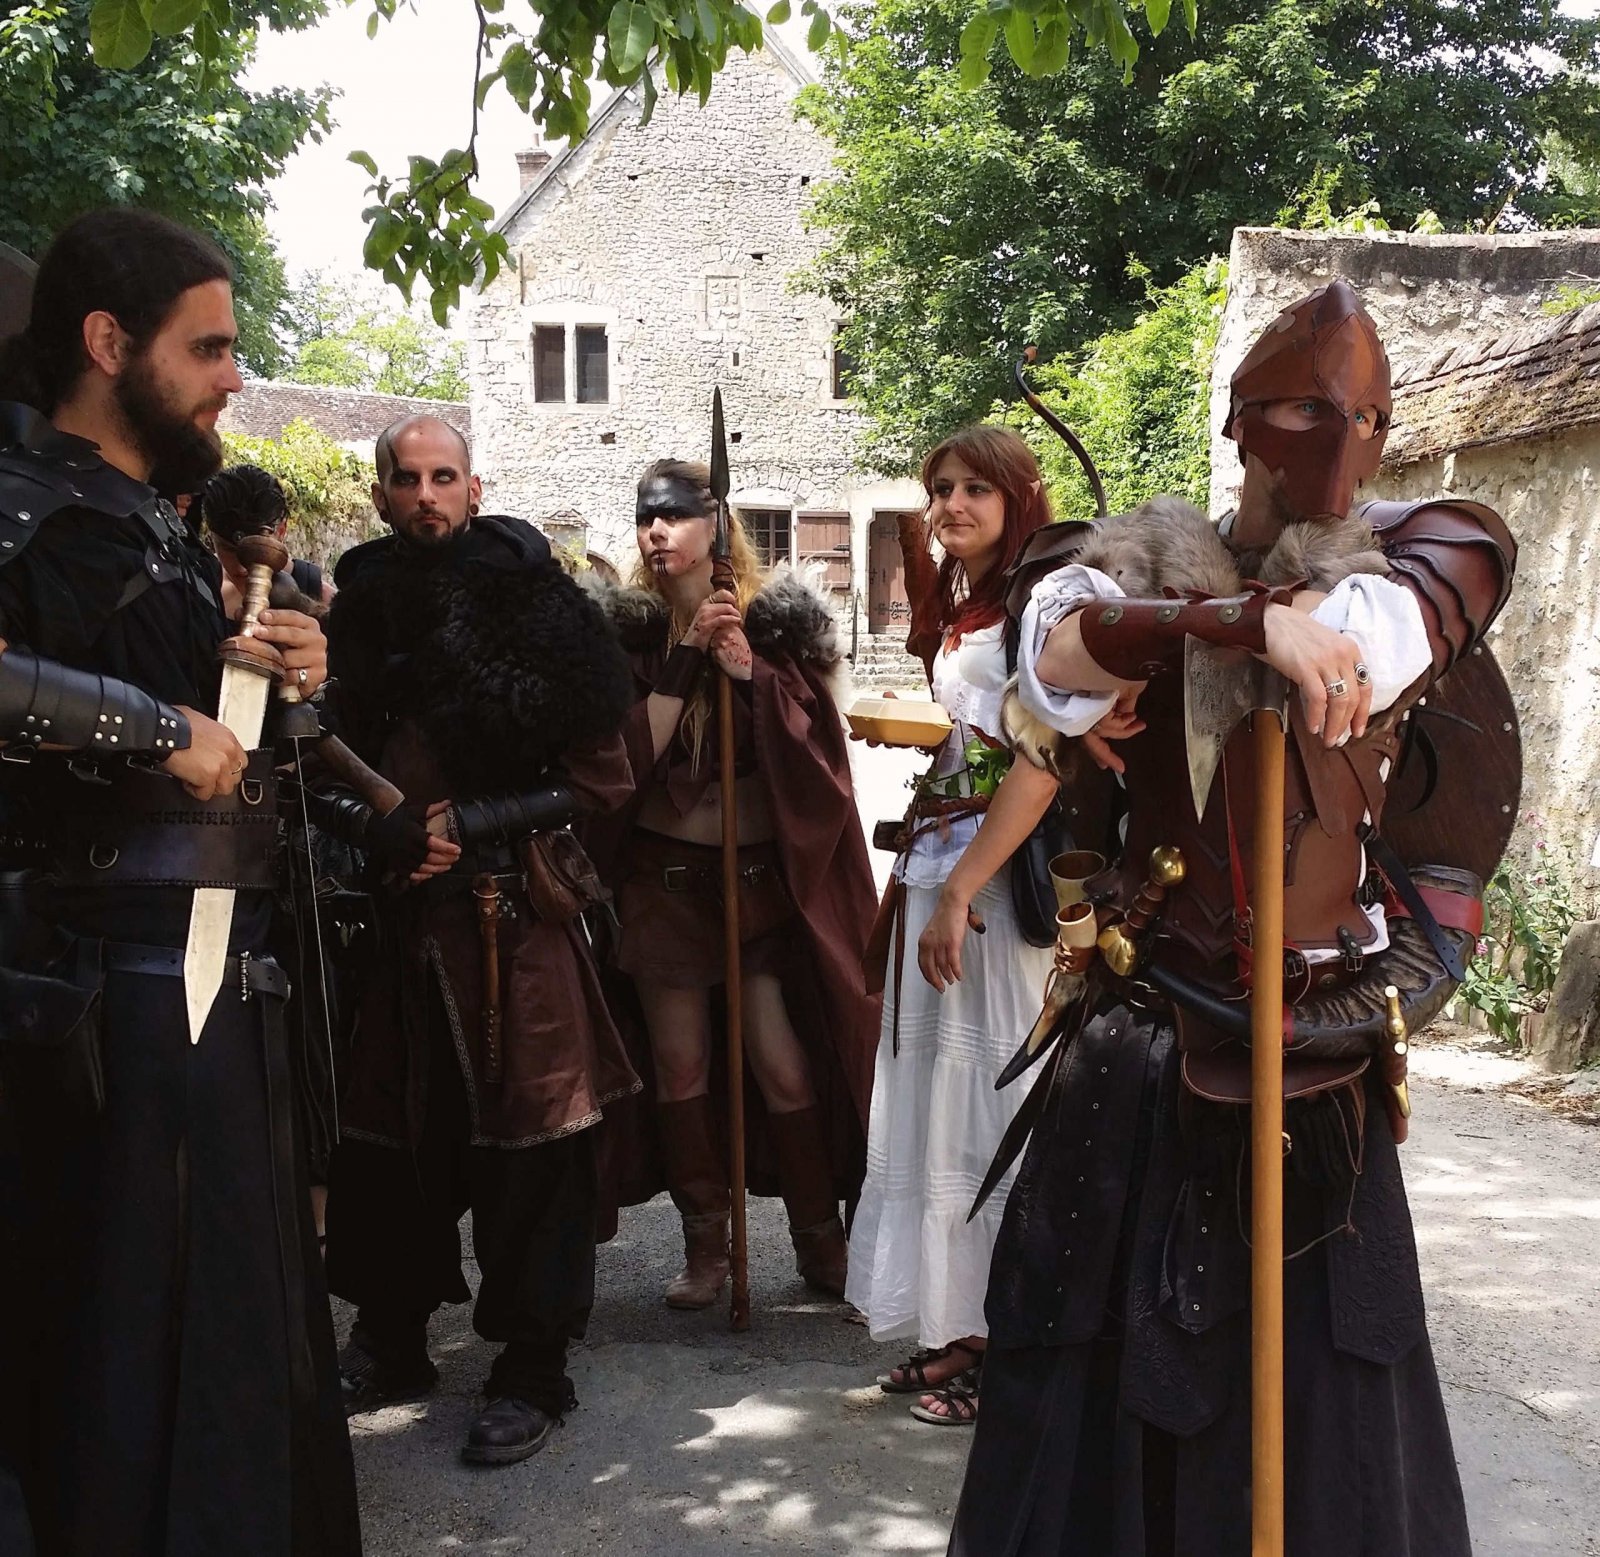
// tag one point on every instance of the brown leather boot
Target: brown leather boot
(806, 1179)
(698, 1179)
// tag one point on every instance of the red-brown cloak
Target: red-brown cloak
(790, 711)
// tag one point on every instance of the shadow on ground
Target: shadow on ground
(688, 1439)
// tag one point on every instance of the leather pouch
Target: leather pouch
(560, 877)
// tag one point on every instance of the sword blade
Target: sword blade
(243, 709)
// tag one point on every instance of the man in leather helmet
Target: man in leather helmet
(1116, 1391)
(167, 1377)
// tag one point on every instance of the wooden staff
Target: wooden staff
(722, 577)
(1266, 1143)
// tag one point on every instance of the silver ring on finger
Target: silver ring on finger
(1339, 688)
(1363, 675)
(304, 675)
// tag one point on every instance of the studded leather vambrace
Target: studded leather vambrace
(46, 703)
(1134, 639)
(502, 819)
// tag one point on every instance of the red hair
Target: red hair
(1007, 463)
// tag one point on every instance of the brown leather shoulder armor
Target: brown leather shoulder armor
(1456, 557)
(1050, 547)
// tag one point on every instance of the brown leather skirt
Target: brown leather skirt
(670, 908)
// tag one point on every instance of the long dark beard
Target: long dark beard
(182, 456)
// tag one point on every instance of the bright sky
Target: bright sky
(406, 91)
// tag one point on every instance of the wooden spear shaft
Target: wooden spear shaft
(739, 1253)
(1266, 1143)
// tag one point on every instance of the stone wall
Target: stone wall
(1548, 637)
(682, 238)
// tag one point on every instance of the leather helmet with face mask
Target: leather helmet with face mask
(1325, 353)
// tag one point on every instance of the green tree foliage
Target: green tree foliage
(1140, 401)
(428, 225)
(341, 334)
(175, 133)
(329, 488)
(966, 224)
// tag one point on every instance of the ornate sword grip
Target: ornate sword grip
(1117, 943)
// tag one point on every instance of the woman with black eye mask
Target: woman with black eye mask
(806, 902)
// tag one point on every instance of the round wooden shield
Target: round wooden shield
(1453, 796)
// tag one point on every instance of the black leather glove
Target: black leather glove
(398, 840)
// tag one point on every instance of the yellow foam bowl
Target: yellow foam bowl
(894, 721)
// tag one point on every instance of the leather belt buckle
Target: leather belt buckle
(675, 878)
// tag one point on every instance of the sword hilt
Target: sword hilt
(1117, 943)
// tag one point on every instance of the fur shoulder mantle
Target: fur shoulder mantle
(790, 619)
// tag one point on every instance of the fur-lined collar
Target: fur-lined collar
(790, 619)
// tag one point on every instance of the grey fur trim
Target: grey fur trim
(791, 617)
(1165, 543)
(1322, 554)
(1168, 543)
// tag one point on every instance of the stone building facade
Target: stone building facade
(650, 265)
(1497, 401)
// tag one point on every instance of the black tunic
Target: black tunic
(167, 1381)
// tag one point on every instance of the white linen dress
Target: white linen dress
(918, 1268)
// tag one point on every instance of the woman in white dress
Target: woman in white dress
(918, 1269)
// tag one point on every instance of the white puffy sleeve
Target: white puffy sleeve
(1055, 597)
(1385, 620)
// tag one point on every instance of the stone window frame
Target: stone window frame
(569, 320)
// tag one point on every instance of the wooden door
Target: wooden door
(888, 604)
(825, 538)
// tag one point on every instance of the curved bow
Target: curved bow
(1059, 427)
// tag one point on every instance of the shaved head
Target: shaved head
(383, 449)
(425, 487)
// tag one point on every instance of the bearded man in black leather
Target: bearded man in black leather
(481, 681)
(167, 1379)
(1117, 1385)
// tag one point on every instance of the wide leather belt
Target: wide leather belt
(142, 828)
(707, 878)
(245, 974)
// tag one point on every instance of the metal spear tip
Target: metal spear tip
(720, 483)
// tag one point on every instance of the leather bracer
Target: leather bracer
(46, 703)
(503, 819)
(339, 814)
(1134, 639)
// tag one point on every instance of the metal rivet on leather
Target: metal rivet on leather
(1196, 1307)
(1166, 613)
(1201, 1269)
(1074, 1216)
(1096, 1107)
(1111, 616)
(1205, 1229)
(25, 516)
(6, 544)
(1230, 614)
(155, 567)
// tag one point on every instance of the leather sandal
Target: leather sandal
(915, 1369)
(959, 1397)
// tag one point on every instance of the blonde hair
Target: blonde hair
(749, 579)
